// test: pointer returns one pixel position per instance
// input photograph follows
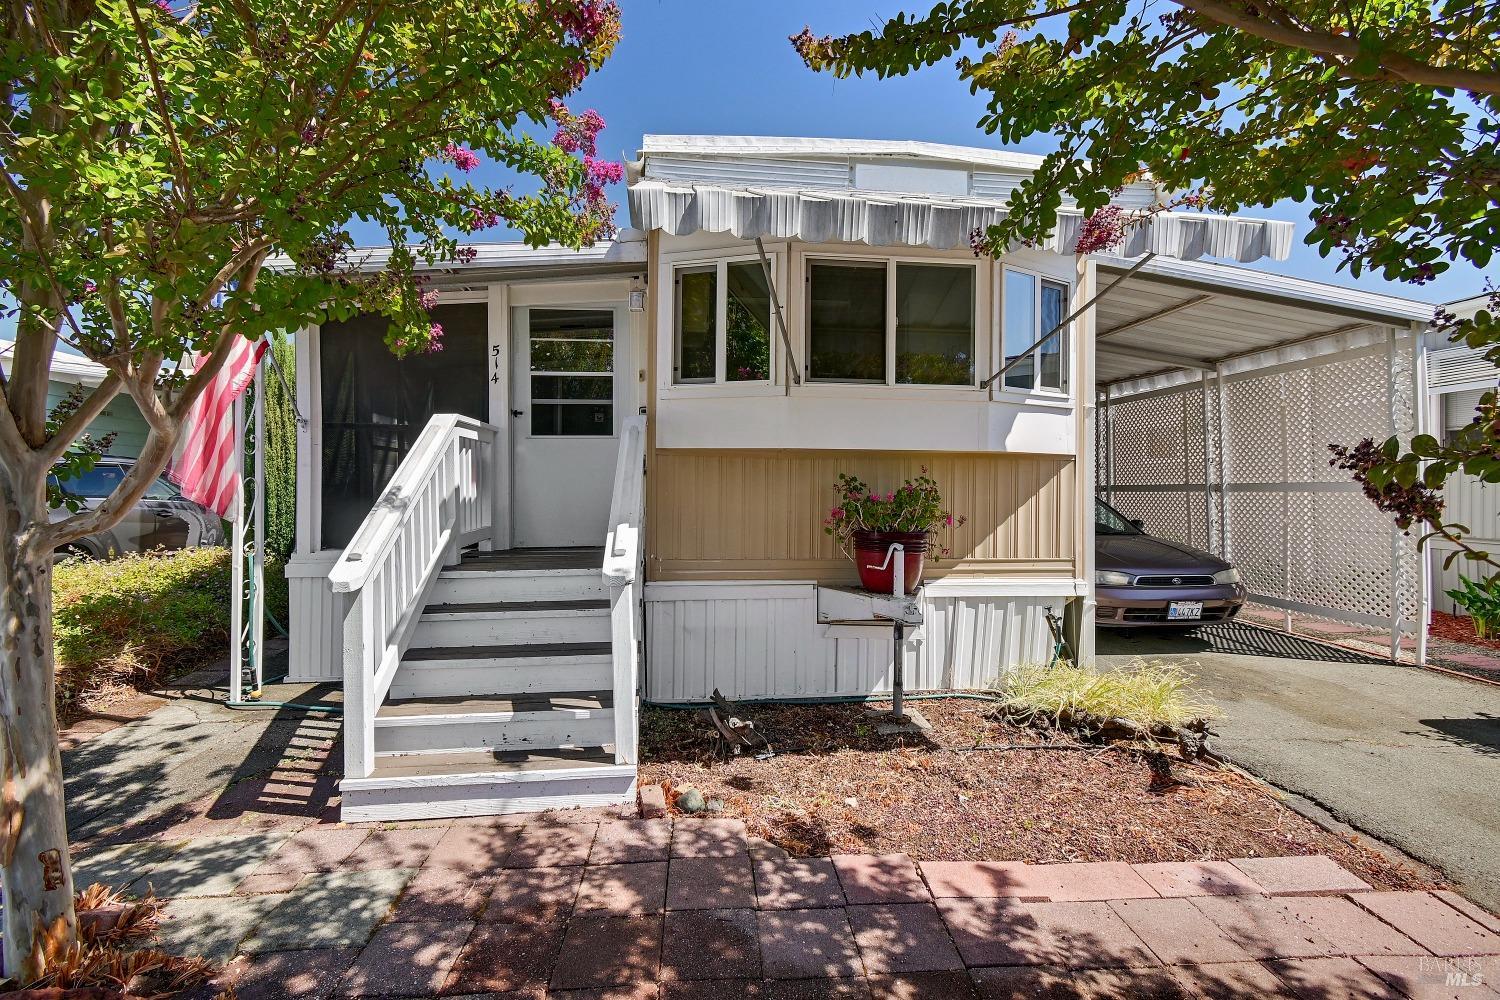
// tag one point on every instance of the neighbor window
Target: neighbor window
(722, 323)
(890, 321)
(1030, 307)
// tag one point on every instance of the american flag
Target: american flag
(207, 467)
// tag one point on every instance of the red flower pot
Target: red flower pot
(870, 548)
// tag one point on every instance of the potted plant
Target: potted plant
(867, 524)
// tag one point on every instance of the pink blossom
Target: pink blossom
(463, 159)
(576, 133)
(1101, 231)
(948, 521)
(434, 338)
(483, 218)
(164, 6)
(466, 255)
(428, 300)
(586, 20)
(89, 288)
(603, 171)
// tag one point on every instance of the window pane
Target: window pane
(748, 324)
(572, 419)
(578, 342)
(1020, 328)
(545, 387)
(1054, 353)
(697, 310)
(934, 324)
(100, 481)
(846, 322)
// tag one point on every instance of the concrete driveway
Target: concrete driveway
(1408, 756)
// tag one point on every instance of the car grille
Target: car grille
(1196, 580)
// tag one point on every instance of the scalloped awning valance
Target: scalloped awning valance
(880, 219)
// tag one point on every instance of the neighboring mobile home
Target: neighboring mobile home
(1457, 376)
(640, 442)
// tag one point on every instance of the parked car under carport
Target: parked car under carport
(162, 519)
(1143, 582)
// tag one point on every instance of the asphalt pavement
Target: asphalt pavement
(1408, 756)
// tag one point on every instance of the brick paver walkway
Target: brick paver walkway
(588, 906)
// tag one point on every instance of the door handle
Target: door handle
(517, 413)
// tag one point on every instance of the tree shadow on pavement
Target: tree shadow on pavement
(1234, 638)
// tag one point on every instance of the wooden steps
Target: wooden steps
(504, 700)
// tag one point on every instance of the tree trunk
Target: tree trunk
(34, 865)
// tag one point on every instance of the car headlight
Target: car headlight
(1230, 575)
(1105, 578)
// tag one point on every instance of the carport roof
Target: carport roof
(1175, 314)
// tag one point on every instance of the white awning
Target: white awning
(943, 223)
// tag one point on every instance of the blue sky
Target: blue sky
(707, 66)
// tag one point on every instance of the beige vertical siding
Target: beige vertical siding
(757, 515)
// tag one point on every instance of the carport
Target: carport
(1219, 391)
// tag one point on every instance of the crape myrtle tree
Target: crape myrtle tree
(1381, 116)
(156, 156)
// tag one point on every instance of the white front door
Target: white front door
(565, 411)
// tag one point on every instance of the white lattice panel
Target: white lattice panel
(1253, 419)
(1299, 530)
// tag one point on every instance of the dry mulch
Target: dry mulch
(835, 786)
(1458, 628)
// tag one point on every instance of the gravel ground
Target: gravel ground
(835, 786)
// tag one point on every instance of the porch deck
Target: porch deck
(581, 557)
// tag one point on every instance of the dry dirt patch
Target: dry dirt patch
(836, 786)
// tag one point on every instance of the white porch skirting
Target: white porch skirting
(316, 652)
(763, 640)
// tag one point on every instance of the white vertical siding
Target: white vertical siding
(317, 614)
(764, 640)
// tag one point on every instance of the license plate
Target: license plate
(1184, 611)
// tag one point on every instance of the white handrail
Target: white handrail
(624, 574)
(440, 500)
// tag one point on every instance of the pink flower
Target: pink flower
(463, 159)
(586, 20)
(483, 218)
(948, 521)
(576, 133)
(889, 497)
(1101, 231)
(603, 171)
(164, 6)
(428, 300)
(434, 338)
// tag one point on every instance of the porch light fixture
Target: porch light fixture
(637, 296)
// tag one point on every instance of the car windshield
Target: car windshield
(1108, 521)
(101, 480)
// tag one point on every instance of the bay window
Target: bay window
(721, 323)
(1030, 307)
(890, 322)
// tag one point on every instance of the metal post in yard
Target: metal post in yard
(1392, 400)
(1223, 433)
(1208, 498)
(1424, 553)
(237, 563)
(258, 545)
(1286, 511)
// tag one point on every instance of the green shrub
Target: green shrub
(1481, 601)
(1145, 694)
(131, 621)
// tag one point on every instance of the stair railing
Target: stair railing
(624, 576)
(441, 499)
